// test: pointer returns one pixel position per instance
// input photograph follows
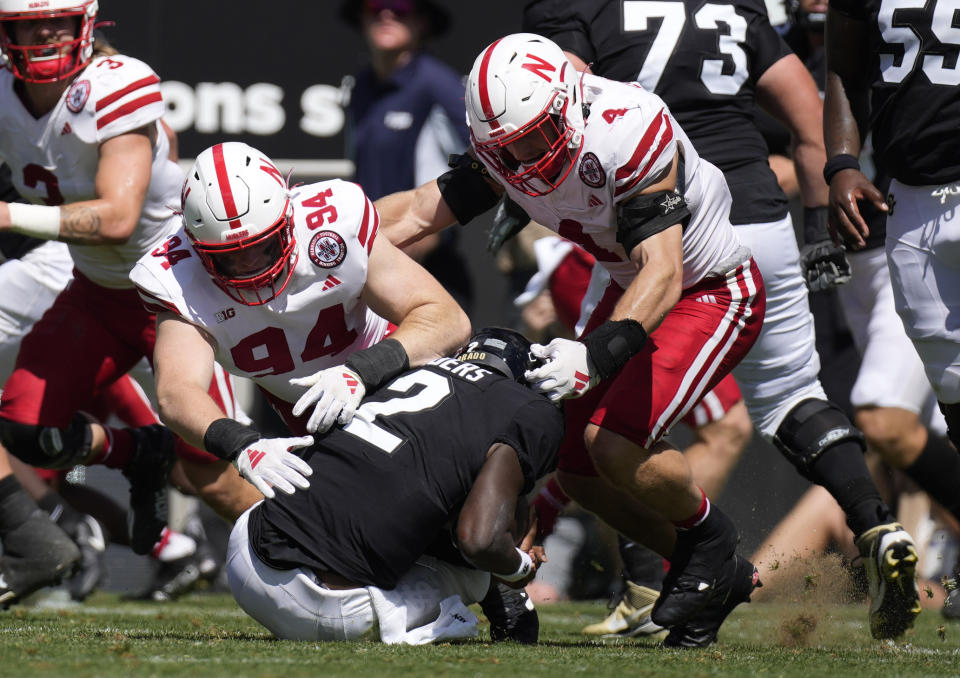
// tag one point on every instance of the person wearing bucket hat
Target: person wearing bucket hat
(405, 116)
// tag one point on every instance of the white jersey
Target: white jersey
(315, 323)
(630, 137)
(54, 158)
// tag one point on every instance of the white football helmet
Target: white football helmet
(53, 61)
(523, 87)
(238, 216)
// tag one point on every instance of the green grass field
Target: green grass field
(207, 635)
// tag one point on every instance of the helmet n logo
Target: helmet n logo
(539, 66)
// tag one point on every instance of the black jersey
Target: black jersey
(385, 486)
(13, 245)
(703, 59)
(915, 87)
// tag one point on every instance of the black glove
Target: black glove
(508, 220)
(824, 264)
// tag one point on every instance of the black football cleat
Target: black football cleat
(511, 614)
(149, 467)
(700, 554)
(737, 580)
(91, 570)
(35, 554)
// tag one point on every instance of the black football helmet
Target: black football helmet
(500, 349)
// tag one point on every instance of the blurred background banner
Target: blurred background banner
(272, 74)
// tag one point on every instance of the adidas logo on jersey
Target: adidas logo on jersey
(707, 299)
(66, 129)
(330, 283)
(594, 201)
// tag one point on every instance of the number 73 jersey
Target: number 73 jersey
(315, 323)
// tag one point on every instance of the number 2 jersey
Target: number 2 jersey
(54, 158)
(388, 485)
(915, 86)
(703, 58)
(630, 138)
(315, 323)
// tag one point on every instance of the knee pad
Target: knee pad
(810, 429)
(48, 446)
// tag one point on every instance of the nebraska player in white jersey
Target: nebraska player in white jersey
(605, 165)
(81, 132)
(293, 290)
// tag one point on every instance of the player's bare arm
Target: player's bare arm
(408, 216)
(659, 259)
(183, 365)
(430, 323)
(787, 91)
(845, 119)
(487, 529)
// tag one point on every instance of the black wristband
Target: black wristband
(838, 163)
(226, 438)
(380, 362)
(815, 224)
(612, 344)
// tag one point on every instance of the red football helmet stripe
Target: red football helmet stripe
(484, 91)
(225, 191)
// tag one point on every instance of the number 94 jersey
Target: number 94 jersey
(316, 322)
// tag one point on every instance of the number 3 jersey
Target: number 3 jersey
(315, 323)
(386, 487)
(54, 158)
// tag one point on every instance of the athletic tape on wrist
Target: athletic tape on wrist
(526, 567)
(226, 438)
(380, 362)
(39, 221)
(839, 163)
(613, 343)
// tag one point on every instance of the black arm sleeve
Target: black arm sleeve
(465, 189)
(649, 214)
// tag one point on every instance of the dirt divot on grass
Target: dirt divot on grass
(807, 587)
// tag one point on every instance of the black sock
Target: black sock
(843, 472)
(937, 472)
(641, 565)
(15, 505)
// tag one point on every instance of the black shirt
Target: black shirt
(915, 89)
(385, 487)
(703, 59)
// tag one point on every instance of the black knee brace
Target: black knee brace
(812, 427)
(48, 446)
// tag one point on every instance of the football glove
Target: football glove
(825, 265)
(337, 392)
(567, 371)
(508, 220)
(269, 465)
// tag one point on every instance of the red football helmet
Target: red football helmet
(52, 61)
(523, 92)
(238, 216)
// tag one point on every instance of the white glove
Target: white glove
(567, 372)
(337, 392)
(268, 464)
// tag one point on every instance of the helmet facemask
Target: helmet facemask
(275, 246)
(548, 131)
(53, 61)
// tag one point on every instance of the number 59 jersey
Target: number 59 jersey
(54, 158)
(315, 323)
